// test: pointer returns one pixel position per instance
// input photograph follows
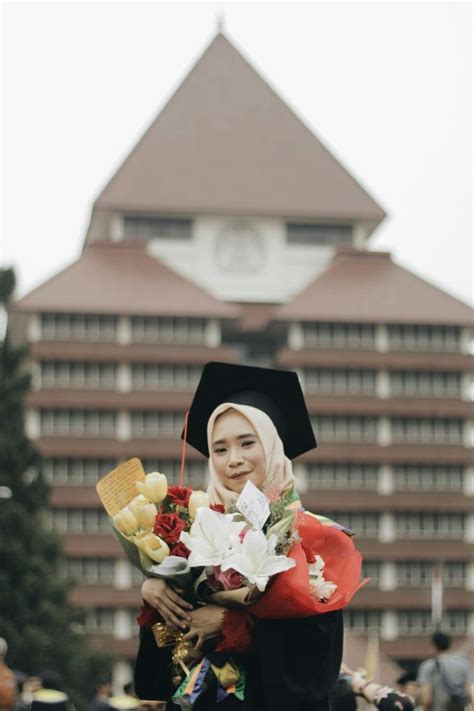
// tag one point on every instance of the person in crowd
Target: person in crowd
(407, 684)
(103, 692)
(354, 684)
(8, 690)
(249, 422)
(445, 679)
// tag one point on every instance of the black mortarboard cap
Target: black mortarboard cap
(276, 392)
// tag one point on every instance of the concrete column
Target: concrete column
(35, 370)
(470, 625)
(213, 333)
(33, 329)
(388, 576)
(382, 384)
(121, 674)
(33, 424)
(389, 625)
(387, 528)
(468, 481)
(122, 574)
(359, 236)
(116, 228)
(295, 336)
(301, 476)
(469, 584)
(124, 378)
(467, 387)
(382, 343)
(124, 330)
(469, 528)
(122, 624)
(385, 480)
(468, 433)
(384, 433)
(467, 336)
(123, 430)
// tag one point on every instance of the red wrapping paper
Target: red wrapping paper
(289, 594)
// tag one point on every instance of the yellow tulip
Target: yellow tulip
(196, 500)
(144, 511)
(154, 547)
(154, 487)
(126, 522)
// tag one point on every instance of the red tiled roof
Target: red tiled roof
(122, 278)
(227, 144)
(364, 286)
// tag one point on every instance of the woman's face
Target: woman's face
(236, 452)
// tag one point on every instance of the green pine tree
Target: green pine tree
(41, 628)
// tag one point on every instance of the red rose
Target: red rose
(218, 507)
(179, 495)
(225, 580)
(181, 550)
(169, 527)
(148, 615)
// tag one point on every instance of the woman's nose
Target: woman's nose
(235, 457)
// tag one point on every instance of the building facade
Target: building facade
(230, 233)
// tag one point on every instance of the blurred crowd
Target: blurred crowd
(444, 682)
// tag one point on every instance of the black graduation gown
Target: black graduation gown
(294, 665)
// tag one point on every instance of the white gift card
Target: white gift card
(253, 505)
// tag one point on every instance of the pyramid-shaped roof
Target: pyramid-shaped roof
(113, 278)
(364, 286)
(227, 144)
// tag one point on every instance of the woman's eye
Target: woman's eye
(219, 451)
(248, 443)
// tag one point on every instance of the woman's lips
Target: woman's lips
(240, 475)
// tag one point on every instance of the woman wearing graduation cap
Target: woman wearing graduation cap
(251, 422)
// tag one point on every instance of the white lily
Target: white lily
(255, 558)
(209, 536)
(320, 587)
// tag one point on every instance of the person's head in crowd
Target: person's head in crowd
(3, 649)
(103, 689)
(51, 679)
(441, 641)
(407, 684)
(128, 689)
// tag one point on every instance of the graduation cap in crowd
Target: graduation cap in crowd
(276, 392)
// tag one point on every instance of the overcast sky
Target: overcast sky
(385, 86)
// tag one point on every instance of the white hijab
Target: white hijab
(278, 468)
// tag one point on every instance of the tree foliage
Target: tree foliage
(41, 628)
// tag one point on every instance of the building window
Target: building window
(76, 374)
(429, 338)
(427, 430)
(196, 473)
(454, 573)
(361, 621)
(90, 327)
(300, 233)
(91, 570)
(339, 381)
(165, 376)
(371, 569)
(99, 620)
(364, 525)
(341, 476)
(420, 573)
(76, 471)
(428, 477)
(342, 428)
(425, 383)
(152, 329)
(430, 525)
(76, 423)
(414, 621)
(72, 521)
(339, 335)
(157, 424)
(136, 227)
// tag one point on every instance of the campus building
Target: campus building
(231, 233)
